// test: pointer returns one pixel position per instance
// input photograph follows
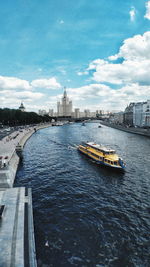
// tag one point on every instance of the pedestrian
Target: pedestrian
(4, 162)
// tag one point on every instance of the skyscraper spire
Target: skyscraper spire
(65, 93)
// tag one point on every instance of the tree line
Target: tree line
(16, 117)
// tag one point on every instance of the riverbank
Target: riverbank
(9, 160)
(16, 214)
(144, 132)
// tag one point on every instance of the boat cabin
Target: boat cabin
(103, 149)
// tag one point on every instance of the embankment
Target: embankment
(8, 173)
(144, 132)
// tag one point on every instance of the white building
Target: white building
(99, 112)
(93, 114)
(86, 113)
(141, 114)
(51, 112)
(42, 112)
(146, 113)
(137, 114)
(64, 108)
(77, 113)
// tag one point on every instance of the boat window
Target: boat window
(115, 162)
(96, 156)
(112, 162)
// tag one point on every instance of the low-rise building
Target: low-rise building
(86, 113)
(51, 112)
(42, 112)
(117, 118)
(77, 113)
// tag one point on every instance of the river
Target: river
(84, 214)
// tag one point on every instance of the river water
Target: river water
(84, 214)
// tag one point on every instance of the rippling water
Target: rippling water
(84, 214)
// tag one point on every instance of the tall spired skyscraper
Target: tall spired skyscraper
(64, 108)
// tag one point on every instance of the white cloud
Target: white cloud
(14, 90)
(39, 69)
(61, 22)
(88, 91)
(135, 66)
(80, 73)
(106, 97)
(127, 72)
(27, 95)
(132, 14)
(96, 63)
(12, 98)
(14, 83)
(61, 70)
(147, 15)
(46, 83)
(136, 47)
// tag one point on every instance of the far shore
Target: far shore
(140, 131)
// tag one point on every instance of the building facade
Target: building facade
(117, 118)
(64, 107)
(128, 115)
(141, 114)
(138, 114)
(146, 114)
(87, 113)
(51, 112)
(77, 113)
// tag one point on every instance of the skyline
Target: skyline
(100, 51)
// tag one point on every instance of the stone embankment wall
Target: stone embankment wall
(144, 132)
(7, 174)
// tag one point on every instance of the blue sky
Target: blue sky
(46, 45)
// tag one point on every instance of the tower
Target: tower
(64, 108)
(22, 108)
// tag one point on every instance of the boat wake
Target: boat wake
(67, 146)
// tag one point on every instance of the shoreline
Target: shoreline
(16, 204)
(8, 173)
(28, 135)
(132, 130)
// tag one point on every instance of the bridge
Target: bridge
(71, 119)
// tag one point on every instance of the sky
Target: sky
(99, 50)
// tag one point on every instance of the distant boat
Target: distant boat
(59, 124)
(102, 155)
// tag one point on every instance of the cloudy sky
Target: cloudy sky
(99, 50)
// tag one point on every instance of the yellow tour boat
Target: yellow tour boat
(102, 155)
